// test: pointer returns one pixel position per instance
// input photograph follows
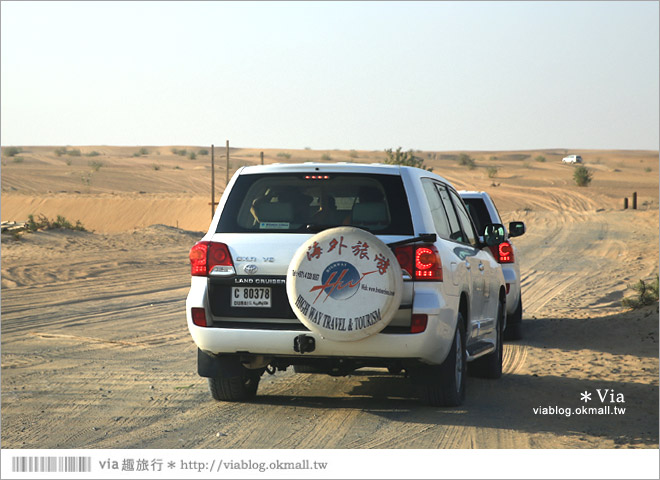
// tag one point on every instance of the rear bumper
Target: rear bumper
(512, 278)
(430, 346)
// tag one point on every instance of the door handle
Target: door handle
(467, 265)
(481, 267)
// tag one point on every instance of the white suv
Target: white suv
(572, 159)
(333, 267)
(483, 211)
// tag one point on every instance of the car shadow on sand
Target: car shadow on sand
(514, 402)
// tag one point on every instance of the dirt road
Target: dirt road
(96, 353)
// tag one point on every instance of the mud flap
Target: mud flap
(213, 366)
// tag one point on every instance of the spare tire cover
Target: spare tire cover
(344, 284)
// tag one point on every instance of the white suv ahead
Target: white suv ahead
(572, 159)
(483, 211)
(334, 267)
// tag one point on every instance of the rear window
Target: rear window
(304, 202)
(479, 213)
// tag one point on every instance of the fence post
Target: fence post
(212, 181)
(625, 203)
(634, 201)
(262, 158)
(227, 179)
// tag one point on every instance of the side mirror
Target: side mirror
(516, 229)
(494, 234)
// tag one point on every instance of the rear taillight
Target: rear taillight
(503, 252)
(422, 262)
(418, 322)
(209, 258)
(198, 316)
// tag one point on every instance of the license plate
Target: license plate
(251, 297)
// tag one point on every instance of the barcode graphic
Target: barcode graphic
(51, 464)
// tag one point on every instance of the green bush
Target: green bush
(143, 151)
(74, 153)
(492, 172)
(18, 160)
(182, 152)
(12, 151)
(539, 158)
(326, 157)
(647, 294)
(397, 157)
(467, 161)
(648, 169)
(43, 223)
(155, 166)
(60, 151)
(95, 164)
(203, 151)
(582, 176)
(353, 154)
(284, 155)
(93, 153)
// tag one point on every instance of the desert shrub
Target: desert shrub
(492, 158)
(466, 160)
(326, 157)
(60, 151)
(155, 166)
(308, 148)
(95, 164)
(284, 155)
(648, 169)
(176, 167)
(492, 172)
(93, 153)
(143, 151)
(18, 160)
(646, 294)
(203, 151)
(192, 156)
(582, 176)
(397, 157)
(74, 153)
(527, 165)
(12, 151)
(86, 178)
(68, 161)
(539, 158)
(353, 154)
(44, 223)
(182, 152)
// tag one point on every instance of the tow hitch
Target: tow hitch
(304, 344)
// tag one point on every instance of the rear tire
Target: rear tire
(513, 329)
(490, 366)
(444, 385)
(235, 388)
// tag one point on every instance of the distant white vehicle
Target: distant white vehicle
(572, 159)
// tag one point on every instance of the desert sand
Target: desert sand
(96, 352)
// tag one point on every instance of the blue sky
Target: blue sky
(372, 75)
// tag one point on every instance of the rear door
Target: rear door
(484, 276)
(268, 216)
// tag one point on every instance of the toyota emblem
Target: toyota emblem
(250, 269)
